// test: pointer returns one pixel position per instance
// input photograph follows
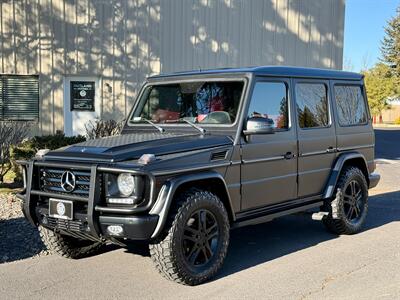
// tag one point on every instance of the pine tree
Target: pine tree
(391, 44)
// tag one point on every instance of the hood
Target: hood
(132, 146)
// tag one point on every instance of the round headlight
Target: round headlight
(126, 184)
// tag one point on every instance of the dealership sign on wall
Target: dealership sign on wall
(82, 95)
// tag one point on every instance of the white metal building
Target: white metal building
(87, 58)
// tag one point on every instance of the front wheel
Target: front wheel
(195, 246)
(348, 210)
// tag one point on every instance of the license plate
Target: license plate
(61, 209)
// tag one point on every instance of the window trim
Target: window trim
(286, 82)
(316, 81)
(366, 106)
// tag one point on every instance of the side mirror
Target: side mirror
(259, 125)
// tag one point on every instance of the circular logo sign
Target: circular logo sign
(82, 93)
(60, 208)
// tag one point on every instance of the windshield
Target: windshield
(205, 102)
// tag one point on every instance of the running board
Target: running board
(271, 216)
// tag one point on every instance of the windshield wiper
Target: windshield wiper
(202, 130)
(159, 128)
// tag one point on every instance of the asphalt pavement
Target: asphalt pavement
(387, 142)
(292, 258)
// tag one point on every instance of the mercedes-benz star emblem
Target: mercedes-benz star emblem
(60, 208)
(68, 181)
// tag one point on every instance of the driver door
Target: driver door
(269, 161)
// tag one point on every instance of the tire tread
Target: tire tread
(339, 225)
(162, 251)
(61, 245)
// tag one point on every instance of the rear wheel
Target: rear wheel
(195, 246)
(348, 210)
(68, 246)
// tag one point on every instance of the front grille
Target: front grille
(51, 181)
(69, 225)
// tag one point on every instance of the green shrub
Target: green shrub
(54, 141)
(397, 121)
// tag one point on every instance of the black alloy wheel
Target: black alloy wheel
(353, 201)
(195, 243)
(200, 239)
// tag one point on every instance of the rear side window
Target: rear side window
(350, 105)
(270, 101)
(312, 105)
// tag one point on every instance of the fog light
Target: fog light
(115, 229)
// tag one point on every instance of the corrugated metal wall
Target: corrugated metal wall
(123, 41)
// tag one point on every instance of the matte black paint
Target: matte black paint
(184, 156)
(121, 148)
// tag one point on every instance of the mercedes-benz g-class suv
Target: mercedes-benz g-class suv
(206, 151)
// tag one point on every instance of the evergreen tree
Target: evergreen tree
(391, 44)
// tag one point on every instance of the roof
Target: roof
(284, 71)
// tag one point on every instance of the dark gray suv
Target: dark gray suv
(204, 152)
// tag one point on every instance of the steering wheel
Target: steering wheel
(217, 117)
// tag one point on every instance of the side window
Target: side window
(312, 105)
(270, 101)
(350, 105)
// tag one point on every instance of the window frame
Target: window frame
(366, 106)
(192, 78)
(328, 97)
(286, 82)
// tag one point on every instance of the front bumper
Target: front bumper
(134, 227)
(374, 180)
(90, 218)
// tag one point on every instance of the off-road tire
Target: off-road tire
(167, 252)
(68, 246)
(337, 222)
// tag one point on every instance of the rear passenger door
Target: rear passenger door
(316, 135)
(269, 166)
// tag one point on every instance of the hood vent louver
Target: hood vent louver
(219, 155)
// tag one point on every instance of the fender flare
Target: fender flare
(167, 193)
(334, 176)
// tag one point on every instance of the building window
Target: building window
(269, 100)
(312, 105)
(19, 98)
(350, 105)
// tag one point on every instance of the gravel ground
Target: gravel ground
(18, 238)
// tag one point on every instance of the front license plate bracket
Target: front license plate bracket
(61, 209)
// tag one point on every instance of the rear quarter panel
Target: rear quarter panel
(360, 138)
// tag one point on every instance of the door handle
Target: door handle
(330, 150)
(288, 155)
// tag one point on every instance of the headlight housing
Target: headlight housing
(124, 189)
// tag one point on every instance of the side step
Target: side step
(319, 216)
